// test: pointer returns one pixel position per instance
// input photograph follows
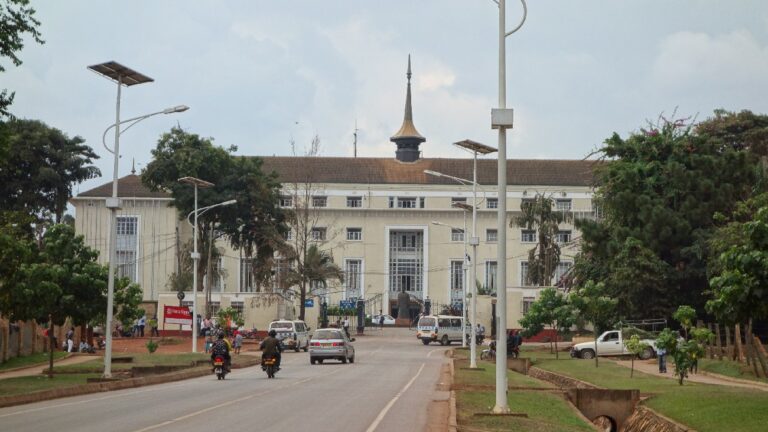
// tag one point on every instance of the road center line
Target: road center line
(383, 412)
(221, 405)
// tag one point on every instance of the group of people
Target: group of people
(235, 343)
(223, 347)
(137, 330)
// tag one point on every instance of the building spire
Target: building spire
(408, 138)
(133, 166)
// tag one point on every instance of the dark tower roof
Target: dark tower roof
(408, 138)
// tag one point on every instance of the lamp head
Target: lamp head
(176, 109)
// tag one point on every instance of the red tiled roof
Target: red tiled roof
(534, 172)
(129, 186)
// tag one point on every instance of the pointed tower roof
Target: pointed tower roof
(408, 130)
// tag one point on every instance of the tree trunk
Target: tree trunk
(710, 345)
(718, 341)
(557, 355)
(738, 352)
(728, 345)
(596, 349)
(302, 298)
(632, 370)
(51, 346)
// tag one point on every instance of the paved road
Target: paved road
(388, 388)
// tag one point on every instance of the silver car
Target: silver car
(330, 343)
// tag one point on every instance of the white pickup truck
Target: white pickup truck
(610, 343)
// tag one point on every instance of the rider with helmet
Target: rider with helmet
(270, 347)
(221, 348)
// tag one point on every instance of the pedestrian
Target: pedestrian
(661, 353)
(70, 345)
(153, 326)
(695, 364)
(346, 325)
(381, 321)
(238, 342)
(142, 324)
(135, 329)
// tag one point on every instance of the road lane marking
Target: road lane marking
(429, 354)
(383, 412)
(221, 405)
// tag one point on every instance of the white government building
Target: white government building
(374, 215)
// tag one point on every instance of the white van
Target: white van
(440, 328)
(293, 334)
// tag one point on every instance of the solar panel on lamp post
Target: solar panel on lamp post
(127, 77)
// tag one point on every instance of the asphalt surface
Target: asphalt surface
(388, 388)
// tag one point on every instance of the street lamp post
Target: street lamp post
(123, 76)
(198, 183)
(502, 119)
(464, 269)
(475, 148)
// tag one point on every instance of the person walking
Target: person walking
(346, 325)
(142, 324)
(238, 341)
(381, 321)
(153, 327)
(661, 353)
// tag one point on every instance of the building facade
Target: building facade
(391, 227)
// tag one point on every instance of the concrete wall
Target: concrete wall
(22, 338)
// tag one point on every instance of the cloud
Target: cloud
(688, 60)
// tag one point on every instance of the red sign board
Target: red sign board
(177, 315)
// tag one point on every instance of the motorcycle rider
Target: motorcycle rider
(221, 348)
(271, 346)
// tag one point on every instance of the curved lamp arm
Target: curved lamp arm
(133, 121)
(205, 209)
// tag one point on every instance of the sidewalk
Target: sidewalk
(651, 368)
(38, 369)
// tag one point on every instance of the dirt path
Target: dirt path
(38, 369)
(651, 368)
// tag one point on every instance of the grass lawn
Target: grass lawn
(546, 411)
(30, 360)
(731, 369)
(700, 406)
(29, 384)
(97, 364)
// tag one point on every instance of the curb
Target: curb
(36, 365)
(7, 401)
(760, 385)
(453, 425)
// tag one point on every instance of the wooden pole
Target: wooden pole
(739, 352)
(729, 347)
(709, 343)
(750, 348)
(718, 341)
(761, 355)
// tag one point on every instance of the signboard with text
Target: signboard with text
(309, 303)
(177, 315)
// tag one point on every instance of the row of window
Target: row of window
(413, 202)
(457, 276)
(526, 236)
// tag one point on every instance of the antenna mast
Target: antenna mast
(355, 142)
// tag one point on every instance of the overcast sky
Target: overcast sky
(257, 73)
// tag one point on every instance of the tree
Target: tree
(539, 214)
(593, 303)
(38, 175)
(685, 353)
(255, 224)
(636, 347)
(551, 309)
(16, 20)
(308, 228)
(313, 273)
(661, 187)
(741, 273)
(17, 249)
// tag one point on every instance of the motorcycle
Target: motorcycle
(269, 365)
(219, 367)
(490, 352)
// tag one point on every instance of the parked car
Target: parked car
(293, 334)
(388, 320)
(610, 343)
(331, 343)
(440, 328)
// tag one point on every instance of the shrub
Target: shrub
(151, 346)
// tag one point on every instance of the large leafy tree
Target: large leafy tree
(659, 190)
(255, 224)
(38, 175)
(540, 215)
(17, 19)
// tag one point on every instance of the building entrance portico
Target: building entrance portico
(406, 268)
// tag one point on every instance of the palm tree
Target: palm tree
(313, 273)
(539, 214)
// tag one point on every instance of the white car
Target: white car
(388, 320)
(293, 334)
